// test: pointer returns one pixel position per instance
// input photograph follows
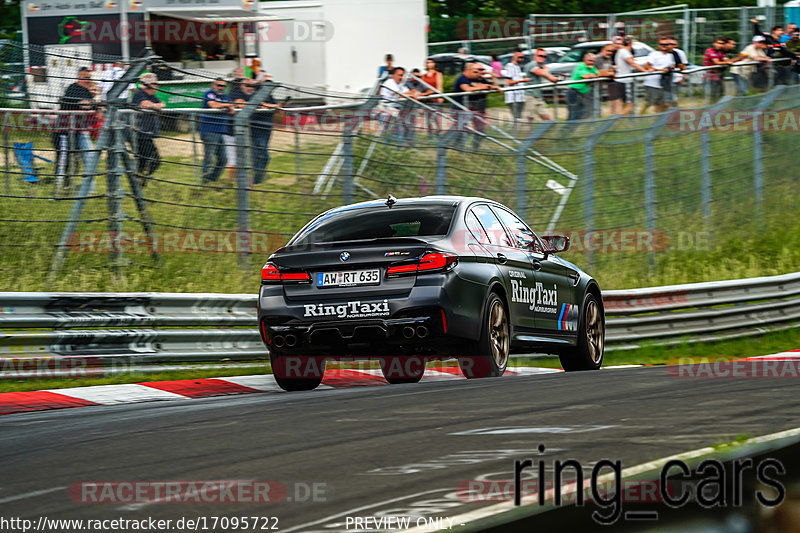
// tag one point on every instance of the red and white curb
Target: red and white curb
(18, 402)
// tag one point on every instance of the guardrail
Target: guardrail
(160, 327)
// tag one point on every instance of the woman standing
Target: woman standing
(433, 78)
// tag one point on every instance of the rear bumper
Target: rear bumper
(425, 317)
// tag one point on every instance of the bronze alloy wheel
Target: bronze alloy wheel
(594, 331)
(498, 333)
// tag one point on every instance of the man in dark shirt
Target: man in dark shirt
(469, 81)
(147, 126)
(777, 50)
(70, 135)
(260, 128)
(213, 128)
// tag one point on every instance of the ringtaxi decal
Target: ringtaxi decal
(355, 309)
(540, 299)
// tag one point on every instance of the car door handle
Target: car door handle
(574, 276)
(502, 259)
(537, 266)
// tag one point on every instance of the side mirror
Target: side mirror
(556, 243)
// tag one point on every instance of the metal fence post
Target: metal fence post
(195, 164)
(758, 149)
(114, 172)
(347, 163)
(596, 100)
(650, 178)
(522, 167)
(296, 123)
(7, 159)
(588, 175)
(244, 145)
(441, 164)
(705, 164)
(114, 103)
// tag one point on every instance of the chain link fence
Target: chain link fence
(198, 205)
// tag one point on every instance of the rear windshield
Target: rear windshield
(379, 222)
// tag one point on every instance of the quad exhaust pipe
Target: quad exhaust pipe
(279, 341)
(408, 332)
(291, 340)
(422, 332)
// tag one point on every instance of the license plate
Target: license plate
(350, 278)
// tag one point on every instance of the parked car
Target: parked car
(566, 64)
(554, 53)
(449, 63)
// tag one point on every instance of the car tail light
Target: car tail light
(428, 263)
(272, 274)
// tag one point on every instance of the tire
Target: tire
(588, 352)
(490, 357)
(397, 370)
(281, 371)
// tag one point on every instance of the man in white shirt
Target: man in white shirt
(515, 99)
(661, 62)
(625, 64)
(391, 91)
(109, 77)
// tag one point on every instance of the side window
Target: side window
(476, 229)
(494, 229)
(519, 229)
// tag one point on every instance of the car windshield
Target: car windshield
(576, 54)
(379, 222)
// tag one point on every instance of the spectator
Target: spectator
(658, 86)
(626, 65)
(70, 134)
(579, 95)
(260, 127)
(790, 29)
(497, 66)
(434, 79)
(681, 62)
(515, 99)
(109, 77)
(147, 127)
(471, 81)
(776, 50)
(535, 105)
(257, 73)
(739, 81)
(755, 51)
(387, 68)
(413, 82)
(213, 128)
(605, 64)
(715, 56)
(392, 94)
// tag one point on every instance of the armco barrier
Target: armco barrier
(153, 327)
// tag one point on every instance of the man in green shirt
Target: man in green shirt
(579, 95)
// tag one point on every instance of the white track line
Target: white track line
(116, 394)
(30, 494)
(500, 508)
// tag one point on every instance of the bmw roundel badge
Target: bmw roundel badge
(344, 256)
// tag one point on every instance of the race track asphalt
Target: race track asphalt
(373, 451)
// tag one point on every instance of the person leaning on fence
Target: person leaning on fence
(471, 81)
(658, 86)
(260, 127)
(70, 134)
(776, 50)
(739, 81)
(715, 56)
(757, 74)
(147, 127)
(537, 71)
(434, 83)
(579, 95)
(213, 128)
(625, 63)
(604, 62)
(681, 62)
(515, 100)
(394, 106)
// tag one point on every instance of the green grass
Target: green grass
(735, 240)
